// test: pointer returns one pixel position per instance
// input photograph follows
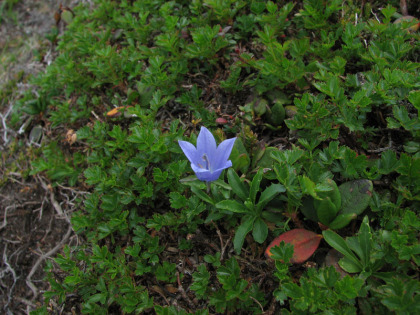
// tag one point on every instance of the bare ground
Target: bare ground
(34, 223)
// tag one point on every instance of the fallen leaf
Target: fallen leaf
(305, 244)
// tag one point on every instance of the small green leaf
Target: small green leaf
(159, 176)
(202, 195)
(349, 265)
(414, 98)
(325, 210)
(308, 209)
(268, 194)
(349, 287)
(276, 115)
(365, 240)
(307, 186)
(355, 196)
(241, 232)
(239, 157)
(98, 297)
(341, 221)
(237, 185)
(255, 185)
(388, 162)
(260, 231)
(282, 252)
(287, 156)
(337, 242)
(177, 200)
(232, 206)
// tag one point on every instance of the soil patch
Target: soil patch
(32, 230)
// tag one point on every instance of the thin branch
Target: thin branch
(376, 17)
(12, 271)
(54, 202)
(256, 301)
(5, 217)
(220, 238)
(3, 121)
(29, 282)
(96, 116)
(389, 147)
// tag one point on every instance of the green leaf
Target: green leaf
(414, 98)
(159, 176)
(308, 209)
(349, 266)
(388, 162)
(268, 194)
(401, 114)
(260, 231)
(355, 196)
(241, 232)
(329, 189)
(98, 297)
(307, 186)
(237, 185)
(337, 242)
(239, 157)
(233, 206)
(341, 221)
(325, 210)
(202, 195)
(282, 252)
(222, 184)
(365, 241)
(354, 245)
(239, 287)
(288, 156)
(276, 115)
(388, 11)
(292, 290)
(349, 287)
(262, 158)
(255, 185)
(177, 200)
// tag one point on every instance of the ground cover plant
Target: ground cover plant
(313, 203)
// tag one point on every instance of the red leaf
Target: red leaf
(305, 244)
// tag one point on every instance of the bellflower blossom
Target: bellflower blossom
(208, 160)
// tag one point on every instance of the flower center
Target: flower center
(206, 162)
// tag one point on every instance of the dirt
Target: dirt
(34, 224)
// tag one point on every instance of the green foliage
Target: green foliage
(357, 251)
(337, 206)
(251, 210)
(351, 145)
(324, 290)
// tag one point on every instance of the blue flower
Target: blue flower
(208, 160)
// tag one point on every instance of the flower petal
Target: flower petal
(189, 150)
(208, 176)
(206, 144)
(205, 175)
(223, 152)
(226, 165)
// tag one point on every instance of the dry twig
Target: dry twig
(7, 270)
(29, 282)
(5, 128)
(5, 217)
(54, 202)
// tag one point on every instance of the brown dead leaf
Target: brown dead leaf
(71, 136)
